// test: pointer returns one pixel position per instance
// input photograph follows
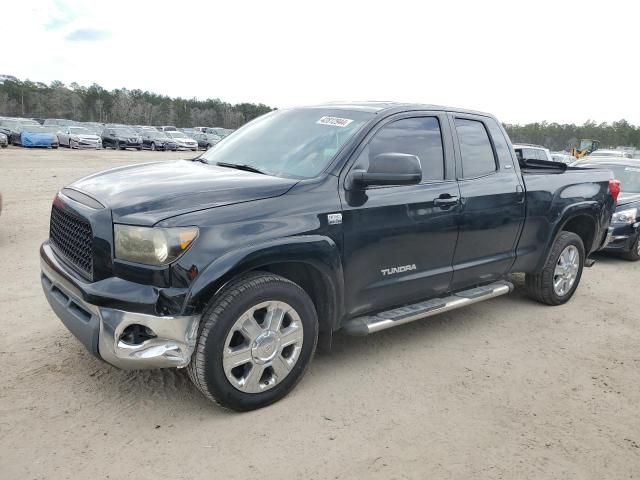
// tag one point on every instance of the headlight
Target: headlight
(151, 245)
(625, 216)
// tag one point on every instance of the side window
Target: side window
(477, 154)
(418, 136)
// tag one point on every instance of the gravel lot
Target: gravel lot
(503, 389)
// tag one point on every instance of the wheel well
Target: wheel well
(319, 288)
(584, 227)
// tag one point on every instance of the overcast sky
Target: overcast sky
(527, 60)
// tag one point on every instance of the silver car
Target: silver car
(4, 141)
(78, 137)
(183, 141)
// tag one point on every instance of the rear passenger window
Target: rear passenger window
(475, 148)
(418, 136)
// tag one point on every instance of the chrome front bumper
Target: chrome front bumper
(101, 329)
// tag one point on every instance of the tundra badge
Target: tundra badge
(394, 270)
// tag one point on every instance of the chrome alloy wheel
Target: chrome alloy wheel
(566, 271)
(262, 347)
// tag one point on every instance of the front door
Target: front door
(399, 241)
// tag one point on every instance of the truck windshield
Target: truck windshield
(296, 143)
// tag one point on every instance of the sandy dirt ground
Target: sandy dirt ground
(505, 389)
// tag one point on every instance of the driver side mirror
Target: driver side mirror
(389, 169)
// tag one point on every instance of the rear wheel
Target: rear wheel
(558, 280)
(633, 255)
(256, 340)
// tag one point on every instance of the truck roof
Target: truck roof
(380, 106)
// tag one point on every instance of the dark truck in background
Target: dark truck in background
(306, 221)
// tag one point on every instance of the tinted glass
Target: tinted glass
(475, 148)
(415, 136)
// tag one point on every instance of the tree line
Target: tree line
(134, 107)
(137, 107)
(557, 136)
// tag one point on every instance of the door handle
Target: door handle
(445, 201)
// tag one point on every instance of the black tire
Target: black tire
(540, 286)
(138, 148)
(206, 367)
(633, 255)
(153, 146)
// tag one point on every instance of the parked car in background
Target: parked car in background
(4, 140)
(35, 136)
(611, 153)
(54, 129)
(11, 127)
(78, 137)
(206, 140)
(94, 127)
(63, 122)
(183, 141)
(188, 131)
(624, 230)
(155, 140)
(219, 131)
(563, 157)
(168, 128)
(121, 138)
(532, 152)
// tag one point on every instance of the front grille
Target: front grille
(72, 236)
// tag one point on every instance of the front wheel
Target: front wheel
(559, 279)
(256, 339)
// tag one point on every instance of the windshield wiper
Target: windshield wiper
(245, 167)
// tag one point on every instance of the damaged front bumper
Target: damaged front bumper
(112, 334)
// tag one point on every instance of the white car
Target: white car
(563, 157)
(528, 151)
(78, 137)
(183, 141)
(612, 153)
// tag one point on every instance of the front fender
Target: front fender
(317, 251)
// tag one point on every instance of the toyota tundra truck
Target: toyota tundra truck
(356, 217)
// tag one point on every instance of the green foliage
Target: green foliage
(135, 107)
(566, 136)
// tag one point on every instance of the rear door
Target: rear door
(399, 240)
(492, 201)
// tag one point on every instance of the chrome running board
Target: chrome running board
(417, 311)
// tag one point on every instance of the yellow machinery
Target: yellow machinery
(586, 147)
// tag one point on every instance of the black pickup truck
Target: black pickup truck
(355, 217)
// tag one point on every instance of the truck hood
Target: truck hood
(626, 198)
(149, 193)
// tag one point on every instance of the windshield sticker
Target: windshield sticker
(632, 169)
(334, 121)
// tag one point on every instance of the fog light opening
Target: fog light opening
(137, 334)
